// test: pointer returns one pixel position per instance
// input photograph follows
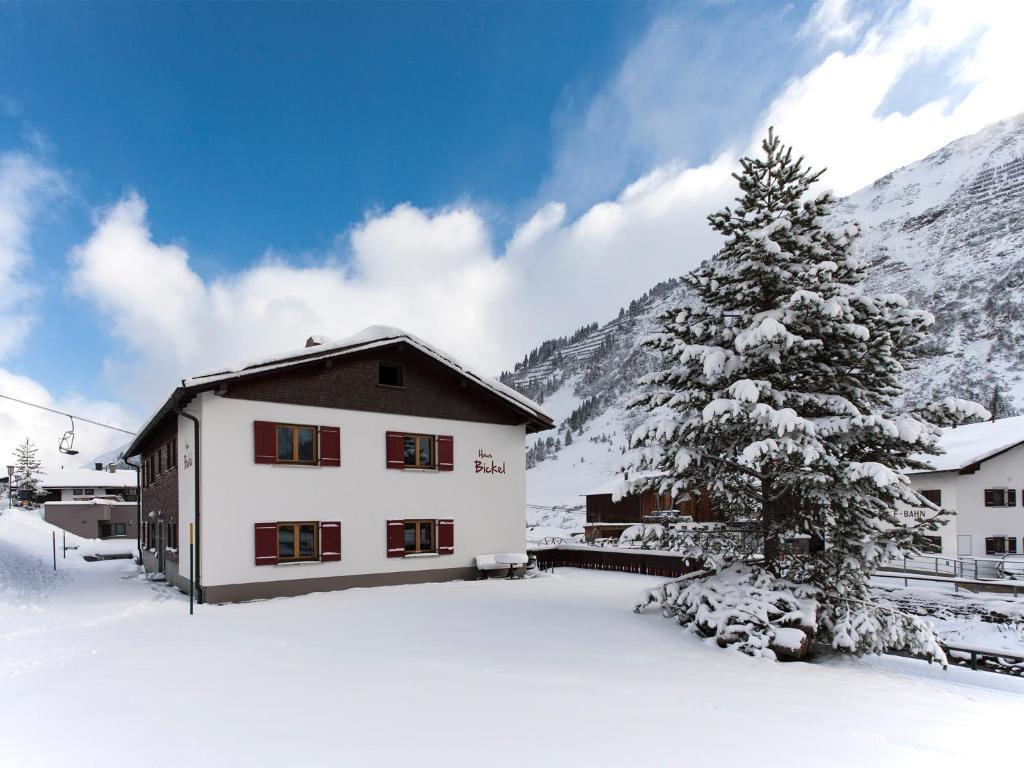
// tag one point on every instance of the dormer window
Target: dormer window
(390, 375)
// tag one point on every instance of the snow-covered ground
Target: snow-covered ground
(98, 664)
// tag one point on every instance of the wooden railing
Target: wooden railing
(649, 562)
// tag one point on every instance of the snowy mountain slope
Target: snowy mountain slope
(946, 231)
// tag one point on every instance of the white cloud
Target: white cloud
(831, 114)
(832, 21)
(438, 274)
(26, 185)
(18, 422)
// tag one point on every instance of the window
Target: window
(419, 451)
(89, 492)
(1000, 497)
(296, 541)
(172, 453)
(411, 451)
(296, 444)
(113, 529)
(76, 492)
(172, 535)
(1001, 545)
(390, 375)
(419, 536)
(935, 497)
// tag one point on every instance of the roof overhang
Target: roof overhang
(534, 417)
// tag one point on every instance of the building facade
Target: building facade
(608, 518)
(375, 460)
(94, 503)
(82, 484)
(980, 477)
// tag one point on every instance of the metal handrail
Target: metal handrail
(961, 566)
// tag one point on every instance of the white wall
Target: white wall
(966, 494)
(945, 482)
(488, 509)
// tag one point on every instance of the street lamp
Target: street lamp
(10, 484)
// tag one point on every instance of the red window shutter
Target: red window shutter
(396, 450)
(445, 453)
(396, 538)
(266, 543)
(330, 541)
(330, 447)
(446, 537)
(265, 442)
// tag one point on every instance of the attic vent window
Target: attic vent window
(390, 375)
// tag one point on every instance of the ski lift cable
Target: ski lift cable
(69, 415)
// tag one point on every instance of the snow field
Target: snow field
(548, 671)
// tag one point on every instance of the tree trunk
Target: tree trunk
(768, 514)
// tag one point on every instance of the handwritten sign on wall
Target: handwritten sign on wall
(486, 465)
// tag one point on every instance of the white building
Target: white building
(981, 477)
(374, 460)
(83, 484)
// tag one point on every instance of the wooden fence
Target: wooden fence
(647, 562)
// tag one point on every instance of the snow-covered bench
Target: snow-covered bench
(502, 563)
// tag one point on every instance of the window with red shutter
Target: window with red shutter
(446, 537)
(395, 450)
(330, 447)
(264, 442)
(330, 541)
(396, 538)
(445, 453)
(266, 543)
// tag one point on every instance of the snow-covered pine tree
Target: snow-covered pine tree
(778, 400)
(27, 467)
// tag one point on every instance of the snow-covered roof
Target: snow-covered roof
(79, 477)
(972, 443)
(369, 338)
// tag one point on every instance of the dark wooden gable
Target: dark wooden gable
(350, 381)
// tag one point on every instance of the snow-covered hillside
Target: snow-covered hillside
(946, 231)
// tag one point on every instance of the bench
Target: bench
(503, 563)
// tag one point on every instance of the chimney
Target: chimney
(312, 341)
(99, 466)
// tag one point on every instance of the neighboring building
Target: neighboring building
(92, 503)
(96, 519)
(607, 518)
(81, 484)
(981, 477)
(374, 460)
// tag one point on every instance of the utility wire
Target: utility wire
(69, 415)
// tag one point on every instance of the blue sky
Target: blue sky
(215, 181)
(256, 127)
